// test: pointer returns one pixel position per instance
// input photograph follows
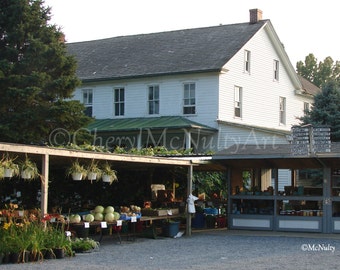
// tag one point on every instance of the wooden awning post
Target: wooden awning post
(189, 185)
(44, 184)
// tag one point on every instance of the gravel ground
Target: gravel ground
(214, 249)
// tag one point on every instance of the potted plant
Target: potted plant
(28, 169)
(80, 245)
(10, 167)
(93, 171)
(59, 243)
(108, 174)
(77, 171)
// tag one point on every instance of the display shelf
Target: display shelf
(253, 197)
(252, 206)
(336, 198)
(336, 182)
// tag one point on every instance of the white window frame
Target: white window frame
(276, 70)
(189, 98)
(87, 95)
(119, 101)
(238, 101)
(247, 59)
(153, 99)
(306, 107)
(282, 106)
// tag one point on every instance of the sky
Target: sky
(303, 26)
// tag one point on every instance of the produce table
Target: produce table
(116, 225)
(98, 226)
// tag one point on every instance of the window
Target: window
(276, 70)
(247, 61)
(119, 98)
(88, 101)
(237, 101)
(153, 99)
(306, 107)
(189, 99)
(282, 110)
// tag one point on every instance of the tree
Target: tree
(37, 77)
(319, 73)
(326, 109)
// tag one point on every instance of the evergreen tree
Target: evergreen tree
(326, 109)
(37, 77)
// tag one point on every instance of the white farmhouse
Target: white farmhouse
(205, 88)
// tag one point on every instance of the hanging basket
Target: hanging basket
(106, 178)
(92, 176)
(8, 172)
(77, 176)
(26, 174)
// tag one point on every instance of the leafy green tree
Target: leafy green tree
(326, 109)
(319, 73)
(37, 77)
(210, 183)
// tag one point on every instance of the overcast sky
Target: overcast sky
(303, 26)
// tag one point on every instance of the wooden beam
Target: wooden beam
(189, 191)
(44, 184)
(43, 150)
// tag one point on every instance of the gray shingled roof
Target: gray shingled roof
(174, 52)
(309, 87)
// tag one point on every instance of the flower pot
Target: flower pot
(106, 178)
(8, 173)
(26, 174)
(170, 229)
(92, 176)
(25, 256)
(5, 259)
(14, 257)
(59, 253)
(48, 254)
(77, 176)
(36, 256)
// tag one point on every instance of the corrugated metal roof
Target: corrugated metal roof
(131, 124)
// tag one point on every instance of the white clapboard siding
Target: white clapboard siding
(260, 94)
(171, 97)
(230, 135)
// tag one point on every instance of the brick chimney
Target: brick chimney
(255, 15)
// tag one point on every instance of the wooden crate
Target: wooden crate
(159, 212)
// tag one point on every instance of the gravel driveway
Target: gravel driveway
(214, 249)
